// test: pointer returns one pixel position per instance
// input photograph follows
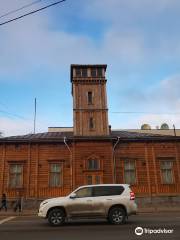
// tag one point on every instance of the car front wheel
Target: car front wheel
(117, 215)
(56, 217)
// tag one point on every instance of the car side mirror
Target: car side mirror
(73, 196)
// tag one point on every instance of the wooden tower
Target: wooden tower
(90, 112)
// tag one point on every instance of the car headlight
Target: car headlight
(43, 203)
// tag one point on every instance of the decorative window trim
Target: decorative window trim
(56, 161)
(166, 158)
(16, 161)
(85, 164)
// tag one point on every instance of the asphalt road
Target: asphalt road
(32, 228)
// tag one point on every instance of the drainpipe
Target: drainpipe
(71, 167)
(114, 159)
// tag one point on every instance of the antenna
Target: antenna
(34, 115)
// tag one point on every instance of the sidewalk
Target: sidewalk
(26, 212)
(34, 212)
(161, 209)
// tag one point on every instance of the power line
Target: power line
(23, 7)
(32, 12)
(146, 113)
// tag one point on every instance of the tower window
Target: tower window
(90, 97)
(91, 123)
(93, 72)
(84, 72)
(78, 72)
(96, 72)
(99, 72)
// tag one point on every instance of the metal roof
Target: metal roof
(59, 137)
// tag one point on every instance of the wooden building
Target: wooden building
(54, 163)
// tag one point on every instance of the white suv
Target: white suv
(114, 202)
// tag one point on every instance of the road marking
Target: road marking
(6, 220)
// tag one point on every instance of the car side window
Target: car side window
(107, 191)
(84, 192)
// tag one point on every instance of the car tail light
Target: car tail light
(132, 196)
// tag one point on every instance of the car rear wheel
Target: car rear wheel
(117, 215)
(56, 217)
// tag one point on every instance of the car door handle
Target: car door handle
(109, 199)
(89, 200)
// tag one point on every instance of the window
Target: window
(107, 191)
(55, 175)
(166, 171)
(84, 72)
(93, 72)
(93, 164)
(84, 192)
(91, 123)
(81, 72)
(16, 176)
(96, 72)
(93, 179)
(89, 180)
(97, 179)
(90, 97)
(129, 171)
(78, 72)
(99, 72)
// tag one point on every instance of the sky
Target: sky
(139, 40)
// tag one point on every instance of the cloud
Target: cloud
(161, 102)
(145, 30)
(117, 9)
(170, 87)
(136, 36)
(157, 120)
(33, 43)
(166, 95)
(13, 127)
(29, 45)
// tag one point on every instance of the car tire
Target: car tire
(56, 217)
(117, 215)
